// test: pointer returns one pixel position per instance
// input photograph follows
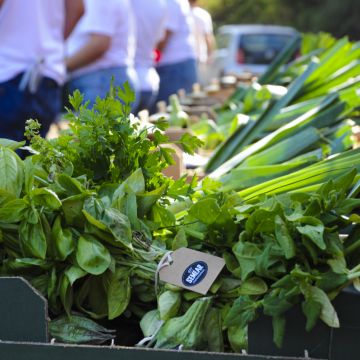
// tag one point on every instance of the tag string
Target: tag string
(165, 261)
(149, 340)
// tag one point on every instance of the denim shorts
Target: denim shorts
(173, 77)
(97, 83)
(17, 106)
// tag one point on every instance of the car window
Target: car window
(262, 48)
(223, 40)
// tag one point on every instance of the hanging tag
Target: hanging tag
(192, 270)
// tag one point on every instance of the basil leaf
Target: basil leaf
(74, 273)
(66, 294)
(63, 239)
(76, 329)
(32, 240)
(11, 172)
(11, 144)
(118, 293)
(70, 185)
(91, 255)
(72, 208)
(45, 197)
(13, 211)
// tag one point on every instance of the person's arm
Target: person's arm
(90, 52)
(171, 23)
(209, 34)
(163, 43)
(74, 9)
(211, 44)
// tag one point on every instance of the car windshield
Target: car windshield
(261, 49)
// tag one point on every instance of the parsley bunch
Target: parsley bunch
(107, 144)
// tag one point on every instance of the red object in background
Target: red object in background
(157, 56)
(240, 56)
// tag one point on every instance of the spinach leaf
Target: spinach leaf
(169, 304)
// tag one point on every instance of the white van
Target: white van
(248, 48)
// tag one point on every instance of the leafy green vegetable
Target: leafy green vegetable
(89, 216)
(11, 172)
(169, 304)
(185, 330)
(79, 330)
(92, 256)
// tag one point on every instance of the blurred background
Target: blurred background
(340, 18)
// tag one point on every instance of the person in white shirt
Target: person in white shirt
(177, 65)
(150, 17)
(32, 66)
(204, 37)
(102, 46)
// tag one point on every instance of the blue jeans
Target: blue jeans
(182, 75)
(97, 83)
(17, 106)
(147, 100)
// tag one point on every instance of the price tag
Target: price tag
(192, 270)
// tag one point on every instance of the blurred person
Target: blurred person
(150, 19)
(204, 38)
(32, 66)
(102, 46)
(177, 65)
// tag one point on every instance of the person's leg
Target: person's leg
(147, 100)
(169, 81)
(17, 106)
(90, 85)
(182, 75)
(97, 83)
(47, 104)
(121, 75)
(203, 74)
(188, 74)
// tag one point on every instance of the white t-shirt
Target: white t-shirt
(112, 18)
(203, 26)
(181, 45)
(150, 17)
(31, 31)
